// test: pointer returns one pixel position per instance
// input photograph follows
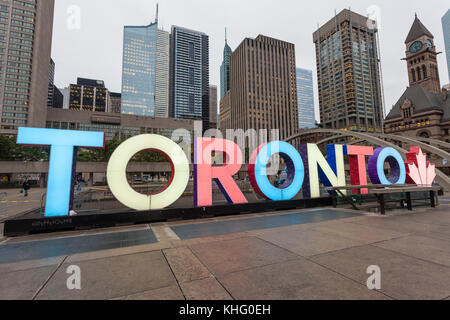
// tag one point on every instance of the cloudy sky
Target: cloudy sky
(94, 48)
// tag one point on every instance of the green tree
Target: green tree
(11, 151)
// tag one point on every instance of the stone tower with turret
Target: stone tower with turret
(421, 57)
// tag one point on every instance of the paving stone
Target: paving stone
(402, 277)
(309, 242)
(442, 233)
(206, 289)
(439, 217)
(402, 224)
(239, 254)
(23, 285)
(117, 252)
(189, 242)
(30, 264)
(360, 233)
(294, 280)
(185, 265)
(168, 293)
(426, 248)
(112, 277)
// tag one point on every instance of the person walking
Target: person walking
(26, 186)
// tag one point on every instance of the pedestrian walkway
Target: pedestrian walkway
(14, 203)
(310, 254)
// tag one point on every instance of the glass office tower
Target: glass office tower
(349, 74)
(225, 70)
(305, 94)
(145, 71)
(189, 75)
(446, 29)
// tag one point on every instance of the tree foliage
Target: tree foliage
(103, 155)
(11, 151)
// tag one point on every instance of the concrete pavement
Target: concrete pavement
(13, 203)
(312, 254)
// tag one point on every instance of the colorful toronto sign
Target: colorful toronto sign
(306, 168)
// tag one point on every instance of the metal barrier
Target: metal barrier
(3, 204)
(43, 198)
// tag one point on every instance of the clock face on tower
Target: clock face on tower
(416, 47)
(429, 44)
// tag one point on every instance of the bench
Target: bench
(380, 191)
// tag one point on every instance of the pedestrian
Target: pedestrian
(26, 187)
(80, 182)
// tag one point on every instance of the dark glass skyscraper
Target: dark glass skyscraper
(189, 67)
(145, 72)
(225, 70)
(305, 96)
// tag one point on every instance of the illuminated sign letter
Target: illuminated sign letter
(358, 170)
(117, 176)
(395, 160)
(62, 162)
(331, 173)
(204, 172)
(258, 171)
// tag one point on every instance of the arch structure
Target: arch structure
(380, 140)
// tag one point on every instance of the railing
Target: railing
(43, 198)
(3, 204)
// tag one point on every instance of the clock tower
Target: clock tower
(421, 57)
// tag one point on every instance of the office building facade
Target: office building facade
(145, 71)
(26, 28)
(55, 97)
(446, 30)
(87, 95)
(189, 67)
(263, 89)
(115, 126)
(305, 96)
(115, 102)
(51, 84)
(213, 107)
(349, 74)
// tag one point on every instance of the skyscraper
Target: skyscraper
(115, 102)
(87, 95)
(213, 107)
(446, 29)
(263, 90)
(349, 74)
(162, 74)
(25, 44)
(145, 71)
(305, 96)
(189, 90)
(51, 84)
(225, 69)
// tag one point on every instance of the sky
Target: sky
(88, 34)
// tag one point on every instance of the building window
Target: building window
(191, 76)
(191, 102)
(191, 51)
(424, 69)
(413, 72)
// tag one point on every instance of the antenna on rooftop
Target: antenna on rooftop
(157, 12)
